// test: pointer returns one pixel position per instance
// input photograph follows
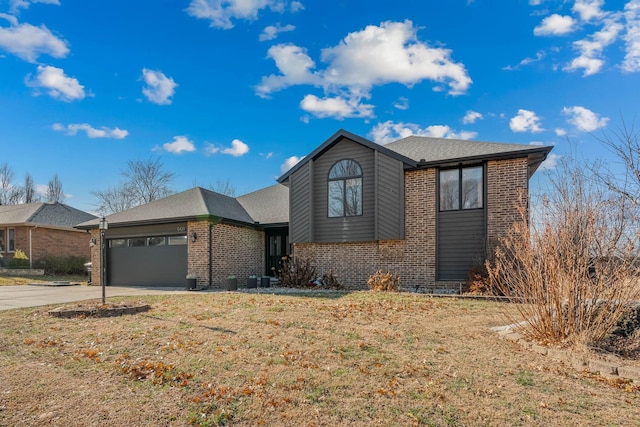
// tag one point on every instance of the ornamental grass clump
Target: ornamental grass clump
(384, 281)
(297, 272)
(573, 267)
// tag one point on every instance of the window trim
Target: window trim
(344, 180)
(460, 169)
(11, 231)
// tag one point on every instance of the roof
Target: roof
(267, 206)
(337, 137)
(422, 151)
(44, 214)
(439, 150)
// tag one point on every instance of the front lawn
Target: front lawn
(255, 359)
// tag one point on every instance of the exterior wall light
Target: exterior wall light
(194, 237)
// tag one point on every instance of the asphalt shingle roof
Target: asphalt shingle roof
(269, 205)
(266, 206)
(44, 214)
(433, 150)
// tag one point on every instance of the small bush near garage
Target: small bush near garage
(62, 265)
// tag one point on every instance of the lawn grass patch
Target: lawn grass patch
(237, 359)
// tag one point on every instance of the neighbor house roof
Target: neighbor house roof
(431, 151)
(269, 205)
(53, 215)
(262, 206)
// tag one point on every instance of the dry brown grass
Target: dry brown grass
(255, 359)
(25, 280)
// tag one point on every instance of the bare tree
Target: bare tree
(147, 180)
(114, 199)
(224, 187)
(54, 190)
(624, 143)
(6, 185)
(29, 192)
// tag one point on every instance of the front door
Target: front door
(277, 240)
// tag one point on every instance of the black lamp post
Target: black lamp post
(104, 225)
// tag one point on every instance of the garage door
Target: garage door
(148, 261)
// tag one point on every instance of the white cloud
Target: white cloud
(584, 119)
(526, 61)
(588, 9)
(555, 25)
(237, 149)
(591, 48)
(160, 88)
(338, 107)
(402, 103)
(374, 56)
(384, 133)
(102, 132)
(271, 32)
(525, 121)
(180, 144)
(29, 42)
(210, 149)
(631, 61)
(471, 117)
(560, 132)
(289, 163)
(15, 5)
(56, 83)
(221, 12)
(296, 6)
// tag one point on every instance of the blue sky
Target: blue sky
(241, 89)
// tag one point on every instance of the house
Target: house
(197, 232)
(41, 230)
(428, 209)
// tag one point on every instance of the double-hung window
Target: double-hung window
(345, 189)
(461, 188)
(11, 240)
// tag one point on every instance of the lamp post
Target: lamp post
(104, 225)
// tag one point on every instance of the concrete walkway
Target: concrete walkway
(33, 296)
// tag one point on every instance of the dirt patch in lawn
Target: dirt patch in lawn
(255, 359)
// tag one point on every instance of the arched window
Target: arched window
(345, 189)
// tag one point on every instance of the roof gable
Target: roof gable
(339, 136)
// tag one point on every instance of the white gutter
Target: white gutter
(30, 254)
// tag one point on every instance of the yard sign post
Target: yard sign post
(103, 268)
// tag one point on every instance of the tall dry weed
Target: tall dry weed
(573, 266)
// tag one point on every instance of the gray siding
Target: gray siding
(390, 198)
(345, 229)
(461, 242)
(300, 204)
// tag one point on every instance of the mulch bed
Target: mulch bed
(99, 310)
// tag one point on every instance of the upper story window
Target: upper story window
(345, 189)
(461, 188)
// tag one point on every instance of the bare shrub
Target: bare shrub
(330, 281)
(296, 272)
(574, 266)
(384, 281)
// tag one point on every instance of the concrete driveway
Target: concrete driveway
(33, 296)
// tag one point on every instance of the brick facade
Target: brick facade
(48, 242)
(414, 258)
(236, 251)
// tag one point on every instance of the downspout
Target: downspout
(30, 253)
(210, 255)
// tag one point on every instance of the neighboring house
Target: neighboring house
(197, 232)
(41, 230)
(428, 209)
